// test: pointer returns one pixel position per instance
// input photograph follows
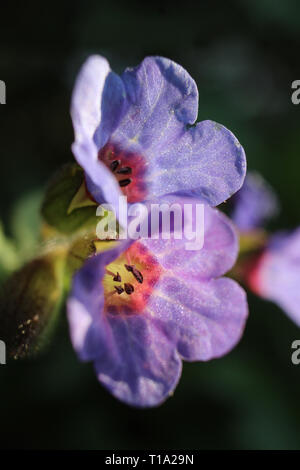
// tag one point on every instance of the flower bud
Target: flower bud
(29, 304)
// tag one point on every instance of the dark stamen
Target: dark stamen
(137, 274)
(128, 288)
(117, 277)
(119, 289)
(114, 165)
(126, 170)
(125, 182)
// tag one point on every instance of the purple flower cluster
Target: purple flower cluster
(274, 272)
(141, 307)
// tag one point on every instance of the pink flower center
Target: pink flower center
(128, 168)
(130, 280)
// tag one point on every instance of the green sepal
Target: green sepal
(25, 224)
(80, 249)
(9, 260)
(252, 241)
(63, 207)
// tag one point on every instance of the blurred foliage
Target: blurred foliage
(244, 56)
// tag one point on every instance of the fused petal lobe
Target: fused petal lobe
(97, 101)
(161, 97)
(140, 366)
(220, 243)
(205, 161)
(205, 320)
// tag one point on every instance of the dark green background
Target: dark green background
(244, 56)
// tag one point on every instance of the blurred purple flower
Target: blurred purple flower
(275, 274)
(135, 134)
(137, 313)
(272, 271)
(254, 204)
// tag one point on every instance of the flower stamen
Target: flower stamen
(128, 288)
(119, 289)
(137, 274)
(126, 170)
(125, 182)
(114, 165)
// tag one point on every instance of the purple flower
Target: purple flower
(272, 269)
(275, 274)
(254, 204)
(136, 313)
(135, 134)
